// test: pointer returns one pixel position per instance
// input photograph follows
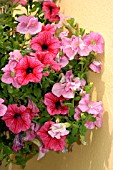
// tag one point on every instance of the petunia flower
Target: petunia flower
(9, 76)
(28, 24)
(74, 45)
(85, 105)
(29, 69)
(55, 104)
(58, 130)
(17, 119)
(18, 142)
(33, 108)
(51, 11)
(68, 86)
(50, 28)
(15, 55)
(3, 108)
(31, 133)
(97, 122)
(22, 2)
(77, 113)
(49, 142)
(45, 43)
(95, 66)
(95, 42)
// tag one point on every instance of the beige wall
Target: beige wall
(96, 15)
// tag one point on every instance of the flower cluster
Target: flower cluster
(45, 101)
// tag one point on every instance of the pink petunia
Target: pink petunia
(68, 85)
(28, 24)
(29, 69)
(74, 45)
(51, 11)
(3, 108)
(95, 42)
(18, 142)
(96, 66)
(33, 108)
(51, 143)
(85, 105)
(15, 55)
(31, 134)
(45, 44)
(9, 76)
(55, 104)
(62, 60)
(17, 119)
(22, 2)
(77, 113)
(97, 122)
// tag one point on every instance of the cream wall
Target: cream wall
(96, 15)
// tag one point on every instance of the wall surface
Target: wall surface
(96, 15)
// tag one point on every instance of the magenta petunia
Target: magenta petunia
(3, 108)
(51, 143)
(17, 119)
(29, 69)
(50, 28)
(45, 43)
(18, 142)
(51, 11)
(55, 104)
(28, 24)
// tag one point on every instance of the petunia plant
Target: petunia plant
(45, 100)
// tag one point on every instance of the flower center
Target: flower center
(89, 105)
(44, 47)
(12, 74)
(17, 115)
(50, 9)
(58, 105)
(29, 70)
(93, 42)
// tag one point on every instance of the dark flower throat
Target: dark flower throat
(29, 70)
(58, 105)
(17, 115)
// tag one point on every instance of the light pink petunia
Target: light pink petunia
(3, 108)
(95, 42)
(28, 24)
(49, 142)
(96, 66)
(55, 104)
(9, 76)
(74, 45)
(68, 85)
(15, 55)
(85, 105)
(58, 130)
